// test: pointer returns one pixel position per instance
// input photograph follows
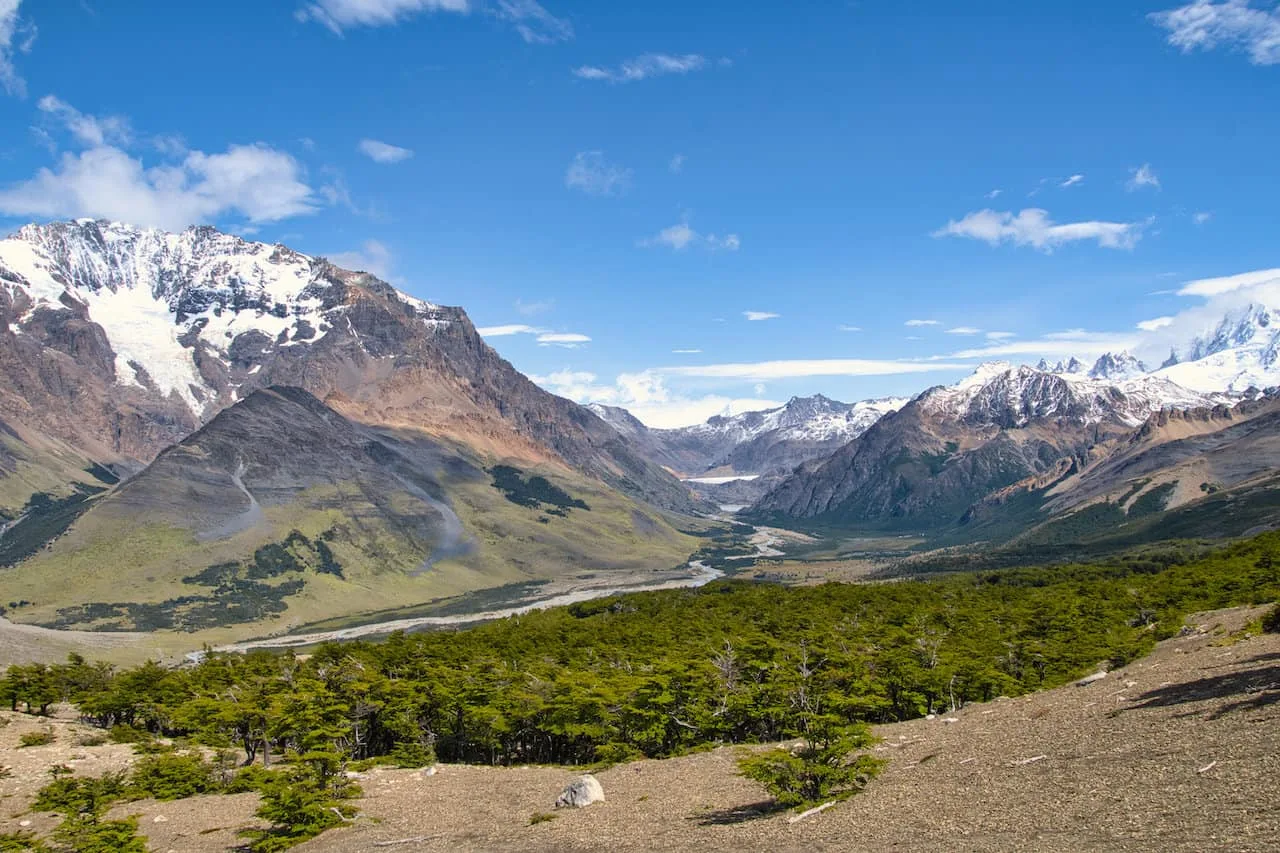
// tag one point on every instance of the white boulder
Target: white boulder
(581, 792)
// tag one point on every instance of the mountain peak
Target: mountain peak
(1116, 366)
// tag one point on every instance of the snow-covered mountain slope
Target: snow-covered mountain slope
(1240, 352)
(167, 302)
(123, 341)
(1001, 394)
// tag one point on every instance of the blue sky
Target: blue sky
(649, 176)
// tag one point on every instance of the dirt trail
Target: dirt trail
(1176, 752)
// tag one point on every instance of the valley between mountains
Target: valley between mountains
(209, 440)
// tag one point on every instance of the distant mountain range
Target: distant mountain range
(318, 400)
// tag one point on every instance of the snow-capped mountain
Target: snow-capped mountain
(1240, 352)
(184, 314)
(1117, 366)
(1002, 394)
(122, 341)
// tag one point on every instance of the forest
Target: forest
(661, 673)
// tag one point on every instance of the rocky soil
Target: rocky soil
(1179, 751)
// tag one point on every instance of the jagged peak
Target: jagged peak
(1113, 366)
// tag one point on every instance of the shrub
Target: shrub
(74, 795)
(1271, 620)
(121, 733)
(816, 770)
(43, 738)
(541, 817)
(410, 756)
(87, 834)
(97, 739)
(21, 842)
(298, 809)
(173, 776)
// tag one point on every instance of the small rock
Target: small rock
(581, 792)
(351, 774)
(430, 771)
(931, 716)
(950, 720)
(1090, 679)
(160, 819)
(24, 823)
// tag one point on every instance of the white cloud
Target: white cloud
(915, 324)
(594, 175)
(647, 396)
(372, 257)
(1155, 324)
(509, 329)
(1072, 342)
(676, 166)
(89, 130)
(569, 340)
(964, 330)
(1071, 181)
(1202, 217)
(16, 36)
(756, 316)
(844, 327)
(1000, 336)
(339, 15)
(1142, 176)
(382, 152)
(1230, 283)
(254, 181)
(533, 22)
(1033, 227)
(994, 193)
(1234, 24)
(767, 371)
(643, 67)
(681, 236)
(686, 351)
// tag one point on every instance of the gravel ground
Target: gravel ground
(1178, 751)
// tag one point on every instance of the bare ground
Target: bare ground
(1178, 751)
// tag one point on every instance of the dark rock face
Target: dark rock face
(224, 318)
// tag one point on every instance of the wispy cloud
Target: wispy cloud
(87, 129)
(647, 396)
(531, 309)
(339, 15)
(843, 327)
(591, 173)
(994, 193)
(1071, 342)
(372, 257)
(1000, 336)
(756, 316)
(964, 330)
(1071, 181)
(686, 351)
(676, 166)
(1230, 283)
(569, 340)
(1155, 324)
(532, 21)
(17, 35)
(1033, 227)
(508, 329)
(767, 371)
(915, 324)
(1141, 177)
(545, 337)
(643, 67)
(682, 236)
(1202, 217)
(383, 152)
(1234, 24)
